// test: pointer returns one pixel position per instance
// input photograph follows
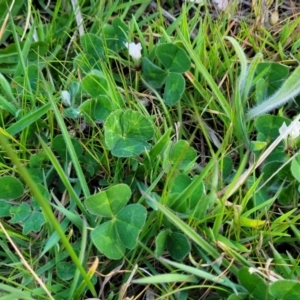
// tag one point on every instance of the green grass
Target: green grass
(166, 177)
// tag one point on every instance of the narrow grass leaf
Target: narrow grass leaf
(28, 119)
(15, 293)
(63, 177)
(22, 54)
(202, 274)
(45, 206)
(166, 278)
(223, 102)
(189, 232)
(54, 238)
(65, 133)
(8, 106)
(74, 218)
(82, 259)
(243, 61)
(6, 89)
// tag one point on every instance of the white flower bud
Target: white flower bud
(66, 98)
(134, 51)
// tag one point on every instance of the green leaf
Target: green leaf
(274, 75)
(295, 168)
(180, 183)
(108, 203)
(256, 286)
(33, 76)
(285, 289)
(92, 45)
(107, 241)
(59, 145)
(11, 188)
(36, 174)
(5, 209)
(160, 243)
(182, 154)
(71, 113)
(226, 166)
(164, 278)
(96, 109)
(159, 147)
(127, 132)
(4, 10)
(33, 223)
(173, 58)
(174, 88)
(240, 296)
(65, 270)
(46, 195)
(257, 145)
(289, 89)
(37, 159)
(95, 83)
(289, 193)
(28, 119)
(9, 54)
(178, 245)
(153, 74)
(269, 126)
(129, 223)
(115, 34)
(243, 62)
(84, 63)
(20, 212)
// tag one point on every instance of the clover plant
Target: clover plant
(175, 242)
(271, 76)
(127, 132)
(258, 288)
(268, 129)
(28, 216)
(125, 222)
(175, 62)
(11, 188)
(115, 34)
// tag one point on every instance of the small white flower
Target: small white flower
(222, 4)
(294, 131)
(65, 98)
(134, 51)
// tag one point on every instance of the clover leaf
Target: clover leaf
(173, 58)
(95, 83)
(175, 61)
(108, 203)
(11, 188)
(115, 34)
(182, 154)
(30, 217)
(129, 223)
(92, 45)
(113, 237)
(96, 109)
(106, 240)
(126, 133)
(153, 74)
(174, 88)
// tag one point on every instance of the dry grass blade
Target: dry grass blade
(27, 266)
